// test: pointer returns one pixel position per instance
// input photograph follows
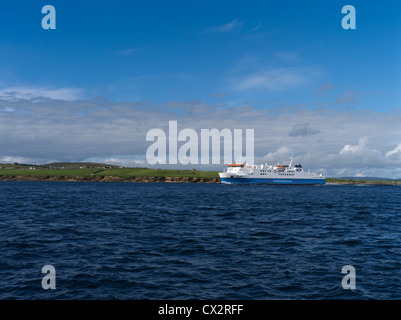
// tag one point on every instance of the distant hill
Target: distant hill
(67, 165)
(60, 165)
(366, 178)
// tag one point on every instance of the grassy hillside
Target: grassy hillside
(80, 169)
(47, 172)
(73, 165)
(115, 172)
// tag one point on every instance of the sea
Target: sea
(146, 241)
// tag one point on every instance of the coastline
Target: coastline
(161, 179)
(172, 179)
(365, 182)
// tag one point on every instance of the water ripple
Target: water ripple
(198, 241)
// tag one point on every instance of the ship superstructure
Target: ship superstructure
(277, 173)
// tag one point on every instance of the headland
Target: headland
(97, 172)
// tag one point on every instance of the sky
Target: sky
(92, 88)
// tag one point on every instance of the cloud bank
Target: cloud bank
(336, 142)
(34, 93)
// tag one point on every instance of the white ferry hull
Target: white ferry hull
(230, 180)
(269, 174)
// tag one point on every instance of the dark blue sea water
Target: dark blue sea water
(198, 241)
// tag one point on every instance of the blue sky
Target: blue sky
(165, 58)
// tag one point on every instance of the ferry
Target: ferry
(278, 173)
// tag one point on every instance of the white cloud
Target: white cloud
(271, 80)
(14, 159)
(395, 153)
(361, 159)
(282, 153)
(352, 141)
(363, 153)
(225, 27)
(25, 160)
(124, 161)
(34, 93)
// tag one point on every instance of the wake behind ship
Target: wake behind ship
(270, 174)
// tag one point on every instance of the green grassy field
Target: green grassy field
(45, 173)
(123, 173)
(145, 172)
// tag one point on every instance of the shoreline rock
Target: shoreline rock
(367, 183)
(112, 179)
